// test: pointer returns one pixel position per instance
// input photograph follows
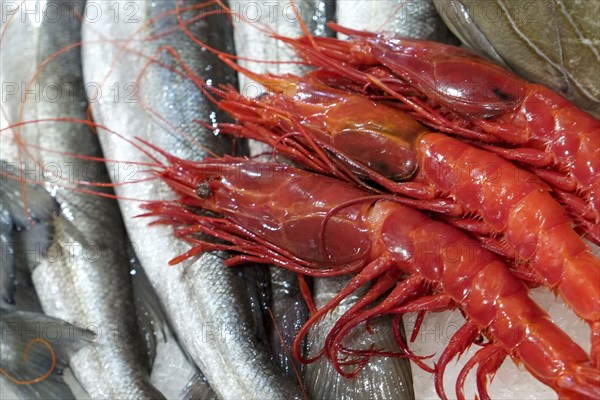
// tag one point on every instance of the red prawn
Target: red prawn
(509, 209)
(320, 226)
(454, 90)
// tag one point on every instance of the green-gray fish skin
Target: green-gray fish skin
(552, 42)
(23, 225)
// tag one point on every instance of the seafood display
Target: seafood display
(87, 280)
(308, 199)
(438, 168)
(343, 230)
(456, 91)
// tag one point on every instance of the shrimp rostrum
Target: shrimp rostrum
(454, 90)
(350, 136)
(319, 226)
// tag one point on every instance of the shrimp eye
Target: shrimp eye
(203, 190)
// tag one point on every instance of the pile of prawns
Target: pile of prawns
(435, 178)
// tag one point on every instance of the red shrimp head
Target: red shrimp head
(271, 203)
(446, 75)
(457, 78)
(374, 134)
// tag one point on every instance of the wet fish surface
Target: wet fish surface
(84, 276)
(205, 300)
(288, 312)
(552, 42)
(277, 16)
(8, 271)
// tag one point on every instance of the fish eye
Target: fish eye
(203, 190)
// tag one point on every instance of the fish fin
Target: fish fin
(34, 352)
(21, 246)
(198, 389)
(27, 204)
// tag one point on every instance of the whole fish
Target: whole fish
(204, 300)
(552, 42)
(83, 277)
(34, 351)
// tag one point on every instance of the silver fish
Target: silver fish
(170, 363)
(288, 312)
(250, 17)
(83, 276)
(149, 314)
(204, 299)
(24, 360)
(553, 42)
(255, 45)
